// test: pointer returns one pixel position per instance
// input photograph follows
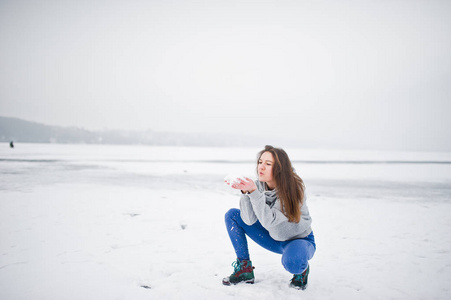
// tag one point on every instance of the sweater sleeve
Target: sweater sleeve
(247, 212)
(276, 222)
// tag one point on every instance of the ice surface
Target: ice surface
(100, 222)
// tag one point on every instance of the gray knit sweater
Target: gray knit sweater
(264, 206)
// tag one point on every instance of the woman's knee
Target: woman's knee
(295, 264)
(232, 213)
(296, 256)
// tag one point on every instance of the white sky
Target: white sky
(348, 73)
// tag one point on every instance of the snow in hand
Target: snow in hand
(113, 222)
(234, 178)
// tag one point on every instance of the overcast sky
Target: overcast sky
(348, 73)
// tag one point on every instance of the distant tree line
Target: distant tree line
(21, 131)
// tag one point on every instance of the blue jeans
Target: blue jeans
(295, 253)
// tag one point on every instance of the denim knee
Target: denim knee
(232, 213)
(296, 255)
(294, 265)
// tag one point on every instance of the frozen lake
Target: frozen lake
(97, 221)
(330, 173)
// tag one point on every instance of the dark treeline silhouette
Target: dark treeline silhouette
(17, 130)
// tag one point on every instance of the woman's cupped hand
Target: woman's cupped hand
(244, 184)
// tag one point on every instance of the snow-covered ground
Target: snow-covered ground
(100, 222)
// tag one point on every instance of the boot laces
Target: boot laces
(236, 266)
(298, 277)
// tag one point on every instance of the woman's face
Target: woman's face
(265, 165)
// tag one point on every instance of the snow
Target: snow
(100, 222)
(235, 178)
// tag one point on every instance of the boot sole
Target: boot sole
(298, 287)
(249, 281)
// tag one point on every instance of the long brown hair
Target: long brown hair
(290, 187)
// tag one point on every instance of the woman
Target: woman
(274, 214)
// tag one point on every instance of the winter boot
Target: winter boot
(299, 281)
(243, 272)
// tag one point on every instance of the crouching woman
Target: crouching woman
(273, 212)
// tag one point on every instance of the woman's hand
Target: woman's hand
(245, 184)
